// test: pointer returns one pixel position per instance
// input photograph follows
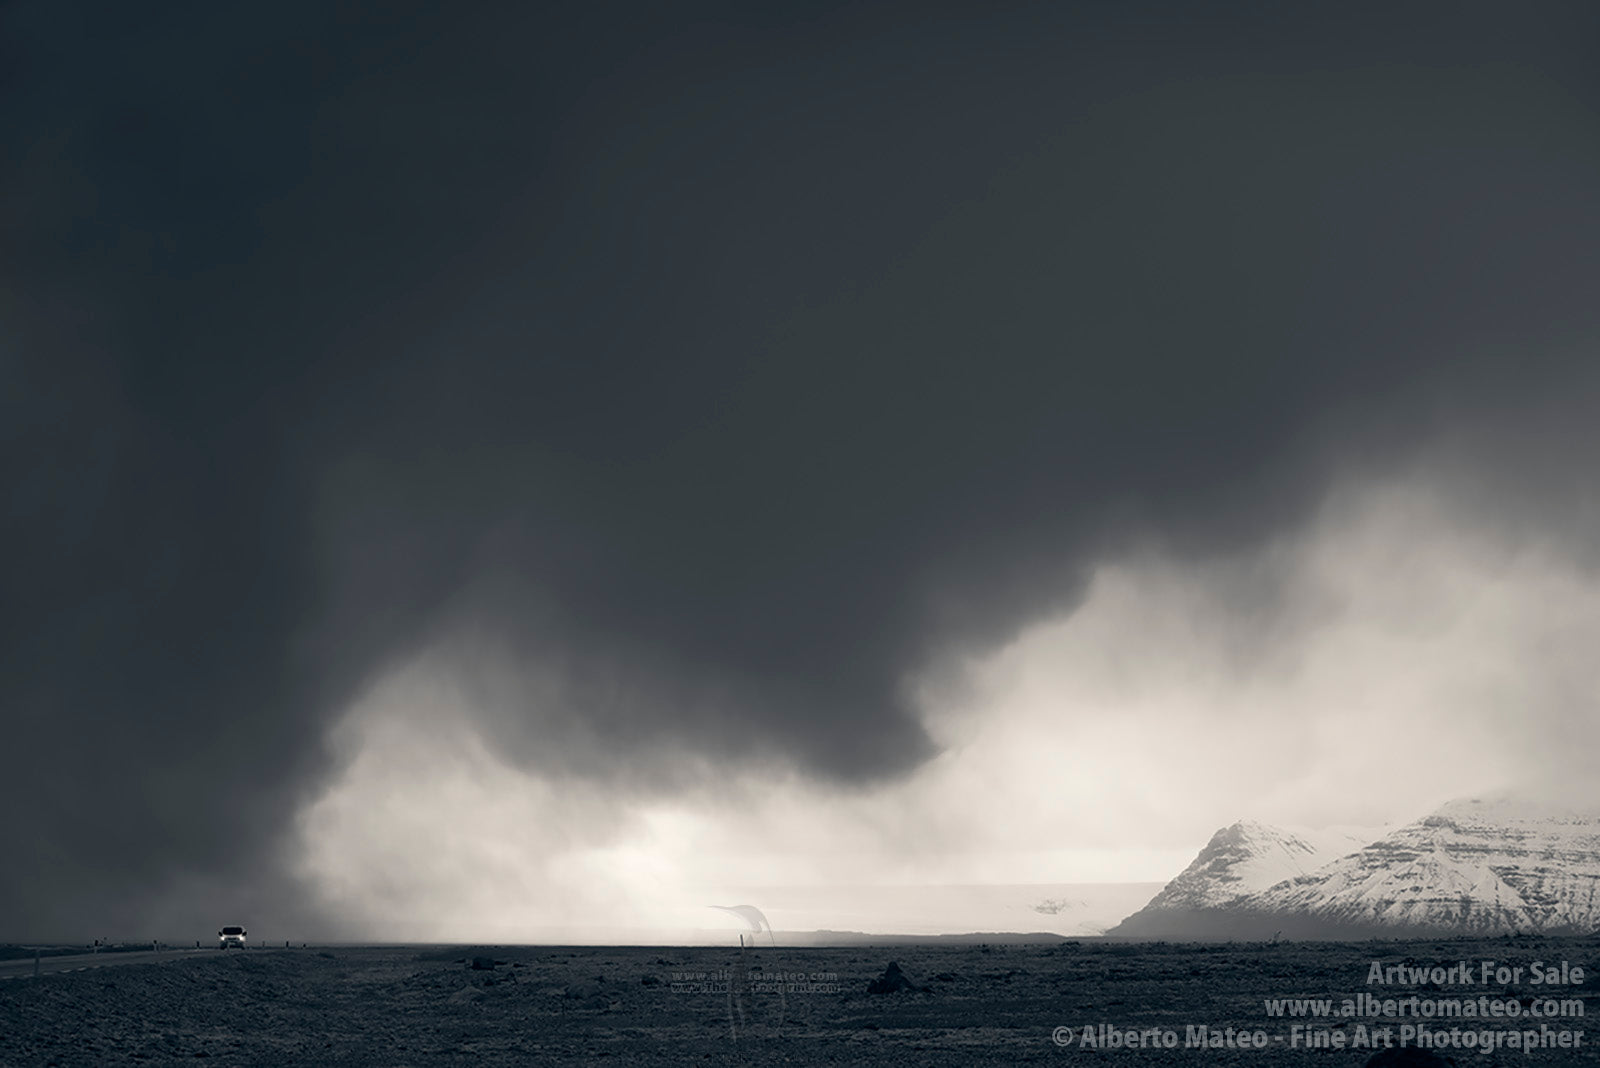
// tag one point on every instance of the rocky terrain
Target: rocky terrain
(939, 1005)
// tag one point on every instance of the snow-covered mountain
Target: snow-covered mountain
(1242, 859)
(1482, 866)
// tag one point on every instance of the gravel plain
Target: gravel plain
(536, 1005)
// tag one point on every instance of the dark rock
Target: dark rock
(482, 964)
(1408, 1057)
(587, 996)
(892, 981)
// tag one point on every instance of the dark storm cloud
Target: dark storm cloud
(720, 365)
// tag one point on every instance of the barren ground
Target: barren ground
(995, 1005)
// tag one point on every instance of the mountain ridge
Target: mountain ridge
(1488, 865)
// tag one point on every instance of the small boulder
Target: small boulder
(482, 964)
(892, 981)
(587, 996)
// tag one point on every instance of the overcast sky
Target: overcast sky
(547, 463)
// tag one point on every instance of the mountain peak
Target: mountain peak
(1492, 864)
(1489, 865)
(1241, 859)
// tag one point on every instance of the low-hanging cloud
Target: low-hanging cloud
(723, 372)
(1391, 654)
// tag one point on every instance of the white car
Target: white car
(231, 936)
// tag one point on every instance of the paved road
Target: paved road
(23, 969)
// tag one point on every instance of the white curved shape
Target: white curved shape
(751, 915)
